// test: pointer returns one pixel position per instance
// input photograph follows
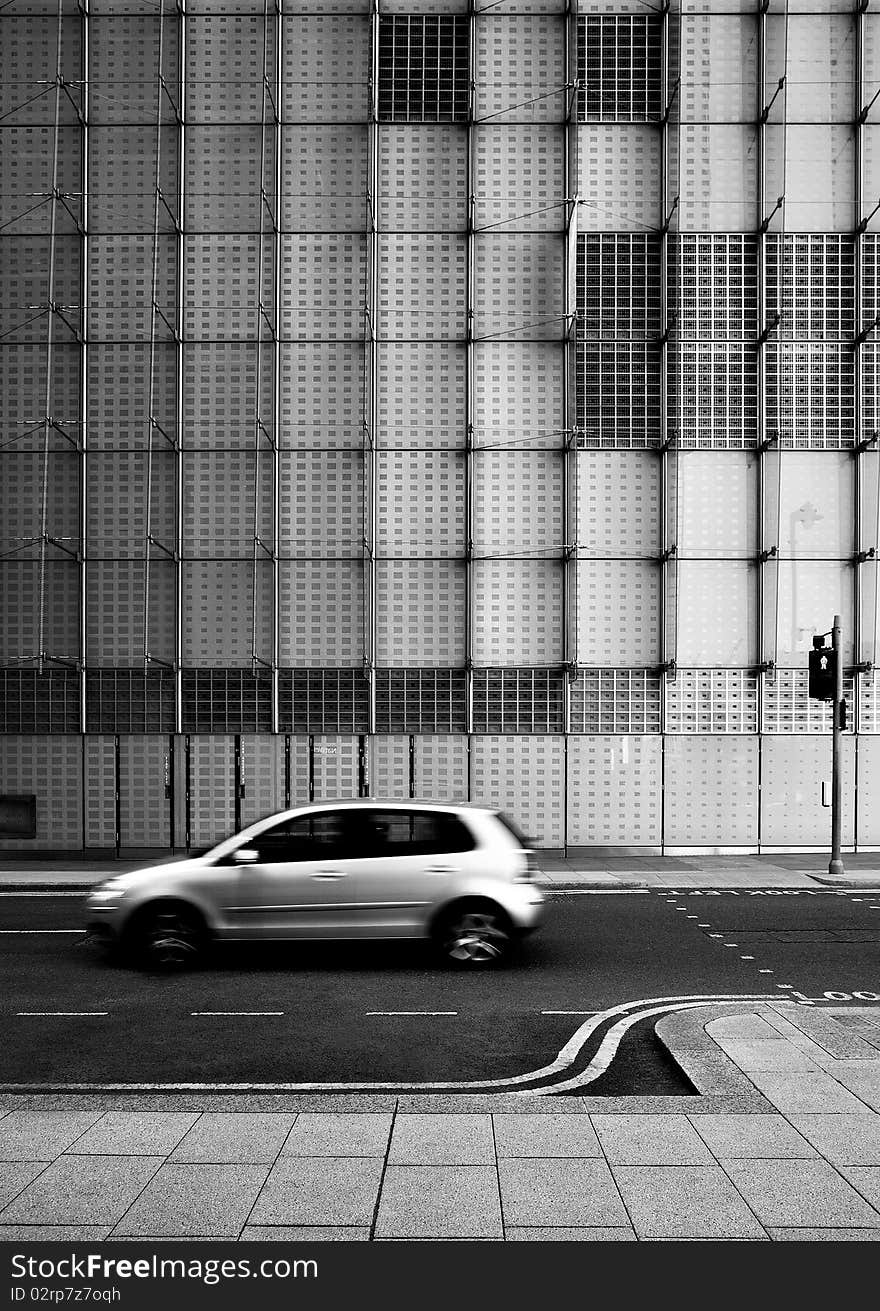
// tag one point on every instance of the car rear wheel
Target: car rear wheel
(168, 938)
(474, 935)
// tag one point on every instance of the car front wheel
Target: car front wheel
(474, 935)
(167, 938)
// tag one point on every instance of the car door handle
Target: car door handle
(440, 869)
(331, 874)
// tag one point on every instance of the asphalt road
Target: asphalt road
(353, 1016)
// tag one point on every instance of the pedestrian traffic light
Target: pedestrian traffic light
(823, 673)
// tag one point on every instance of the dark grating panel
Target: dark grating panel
(518, 701)
(421, 701)
(130, 701)
(619, 68)
(227, 701)
(423, 69)
(31, 702)
(323, 701)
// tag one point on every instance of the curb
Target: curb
(850, 882)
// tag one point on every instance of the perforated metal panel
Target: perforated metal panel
(124, 169)
(124, 66)
(22, 479)
(811, 509)
(211, 790)
(335, 767)
(524, 776)
(517, 611)
(121, 510)
(518, 498)
(518, 391)
(230, 178)
(227, 389)
(712, 701)
(614, 791)
(618, 611)
(820, 67)
(868, 791)
(300, 769)
(322, 391)
(324, 179)
(227, 279)
(321, 613)
(29, 591)
(818, 168)
(518, 701)
(421, 700)
(25, 381)
(716, 612)
(615, 701)
(390, 766)
(326, 69)
(420, 501)
(115, 612)
(719, 56)
(717, 167)
(618, 503)
(422, 286)
(29, 174)
(788, 707)
(869, 599)
(420, 607)
(793, 770)
(713, 503)
(120, 287)
(50, 768)
(520, 69)
(29, 281)
(31, 46)
(227, 502)
(229, 609)
(810, 593)
(441, 767)
(710, 791)
(323, 287)
(518, 286)
(126, 383)
(619, 178)
(322, 503)
(100, 792)
(144, 776)
(227, 57)
(261, 766)
(519, 178)
(323, 700)
(422, 178)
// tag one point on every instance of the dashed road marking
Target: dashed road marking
(236, 1012)
(55, 1013)
(30, 931)
(412, 1012)
(747, 958)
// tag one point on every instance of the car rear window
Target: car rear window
(513, 829)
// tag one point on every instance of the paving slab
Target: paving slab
(650, 1140)
(82, 1190)
(53, 1233)
(791, 1235)
(305, 1234)
(753, 1136)
(685, 1202)
(37, 1135)
(312, 1190)
(545, 1135)
(445, 1201)
(866, 1179)
(766, 1054)
(843, 1139)
(521, 1234)
(226, 1137)
(135, 1133)
(805, 1092)
(746, 1028)
(577, 1193)
(442, 1140)
(194, 1200)
(359, 1133)
(865, 1084)
(15, 1177)
(805, 1194)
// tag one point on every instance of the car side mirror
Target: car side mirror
(245, 856)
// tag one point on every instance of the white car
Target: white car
(461, 875)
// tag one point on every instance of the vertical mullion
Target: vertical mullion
(470, 489)
(569, 394)
(858, 355)
(181, 319)
(84, 389)
(371, 364)
(278, 10)
(761, 253)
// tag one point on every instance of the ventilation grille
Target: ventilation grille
(421, 701)
(323, 701)
(423, 69)
(712, 701)
(227, 701)
(615, 701)
(31, 702)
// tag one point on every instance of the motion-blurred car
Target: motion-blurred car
(460, 875)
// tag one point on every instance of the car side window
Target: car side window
(322, 836)
(412, 833)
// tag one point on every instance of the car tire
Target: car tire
(167, 937)
(473, 935)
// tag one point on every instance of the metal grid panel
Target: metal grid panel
(518, 701)
(713, 285)
(518, 394)
(100, 792)
(211, 790)
(524, 776)
(122, 509)
(335, 767)
(422, 289)
(518, 500)
(33, 702)
(25, 372)
(421, 400)
(809, 593)
(124, 66)
(422, 183)
(820, 68)
(811, 509)
(31, 47)
(323, 700)
(787, 707)
(130, 700)
(30, 172)
(322, 503)
(115, 612)
(226, 701)
(618, 394)
(618, 611)
(712, 701)
(420, 606)
(321, 388)
(227, 388)
(710, 791)
(868, 792)
(520, 70)
(228, 279)
(518, 286)
(811, 285)
(615, 701)
(126, 383)
(421, 700)
(324, 179)
(619, 178)
(389, 767)
(326, 69)
(793, 770)
(224, 601)
(811, 394)
(228, 168)
(51, 768)
(144, 805)
(123, 173)
(519, 174)
(619, 60)
(614, 791)
(618, 503)
(816, 170)
(713, 504)
(227, 57)
(26, 292)
(517, 612)
(869, 618)
(618, 286)
(716, 609)
(720, 54)
(717, 163)
(22, 481)
(120, 287)
(441, 767)
(420, 504)
(321, 613)
(23, 599)
(227, 501)
(423, 68)
(323, 286)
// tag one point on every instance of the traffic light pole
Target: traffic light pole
(835, 867)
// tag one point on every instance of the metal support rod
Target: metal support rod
(835, 867)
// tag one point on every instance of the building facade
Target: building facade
(462, 398)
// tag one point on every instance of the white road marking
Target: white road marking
(59, 893)
(704, 926)
(26, 931)
(236, 1012)
(765, 971)
(731, 944)
(595, 892)
(61, 1012)
(571, 1012)
(747, 958)
(412, 1012)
